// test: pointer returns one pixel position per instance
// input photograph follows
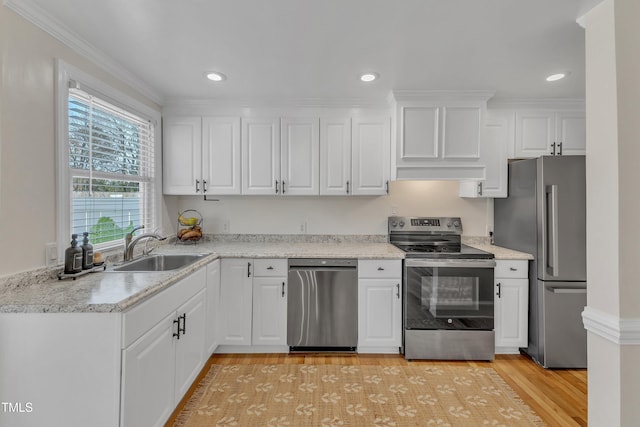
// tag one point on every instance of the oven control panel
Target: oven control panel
(425, 224)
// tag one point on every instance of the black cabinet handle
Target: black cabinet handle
(248, 269)
(270, 268)
(398, 290)
(177, 334)
(276, 186)
(184, 324)
(282, 289)
(204, 186)
(380, 269)
(387, 186)
(197, 185)
(560, 148)
(347, 187)
(513, 269)
(499, 291)
(553, 149)
(283, 187)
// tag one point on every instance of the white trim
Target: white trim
(613, 328)
(536, 103)
(441, 95)
(43, 20)
(368, 103)
(64, 73)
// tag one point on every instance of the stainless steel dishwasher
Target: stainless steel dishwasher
(322, 305)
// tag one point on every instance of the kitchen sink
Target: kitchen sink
(159, 262)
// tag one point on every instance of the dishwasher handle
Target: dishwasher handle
(316, 268)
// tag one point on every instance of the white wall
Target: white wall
(27, 138)
(340, 215)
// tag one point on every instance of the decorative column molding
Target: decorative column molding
(612, 328)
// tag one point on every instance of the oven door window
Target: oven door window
(449, 298)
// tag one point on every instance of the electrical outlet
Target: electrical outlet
(226, 226)
(394, 210)
(303, 227)
(51, 254)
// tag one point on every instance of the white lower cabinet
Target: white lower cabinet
(253, 304)
(213, 298)
(379, 306)
(236, 294)
(511, 305)
(159, 366)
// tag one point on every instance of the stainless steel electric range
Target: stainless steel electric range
(448, 301)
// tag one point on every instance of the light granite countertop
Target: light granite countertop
(499, 252)
(105, 292)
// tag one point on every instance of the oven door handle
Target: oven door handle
(450, 263)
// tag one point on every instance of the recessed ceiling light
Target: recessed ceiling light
(368, 77)
(555, 77)
(215, 76)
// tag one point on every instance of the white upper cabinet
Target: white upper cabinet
(335, 156)
(261, 156)
(221, 155)
(370, 161)
(438, 135)
(494, 141)
(300, 141)
(182, 155)
(201, 155)
(548, 132)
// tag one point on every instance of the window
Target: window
(107, 153)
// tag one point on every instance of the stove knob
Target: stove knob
(394, 223)
(449, 225)
(456, 223)
(401, 224)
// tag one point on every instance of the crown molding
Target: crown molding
(540, 103)
(612, 328)
(43, 20)
(446, 95)
(365, 103)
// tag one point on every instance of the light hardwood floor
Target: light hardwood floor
(559, 397)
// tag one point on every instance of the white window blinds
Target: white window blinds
(111, 162)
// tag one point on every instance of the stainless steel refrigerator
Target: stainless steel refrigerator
(544, 215)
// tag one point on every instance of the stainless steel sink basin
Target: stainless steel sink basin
(160, 262)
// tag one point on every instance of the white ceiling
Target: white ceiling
(316, 49)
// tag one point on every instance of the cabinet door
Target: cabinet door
(494, 156)
(261, 156)
(511, 316)
(379, 313)
(370, 145)
(300, 141)
(148, 367)
(182, 155)
(535, 133)
(234, 316)
(269, 311)
(221, 155)
(461, 133)
(190, 344)
(335, 156)
(571, 132)
(418, 133)
(213, 298)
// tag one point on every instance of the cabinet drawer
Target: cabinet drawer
(380, 268)
(143, 317)
(270, 267)
(512, 268)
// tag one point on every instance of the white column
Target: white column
(612, 316)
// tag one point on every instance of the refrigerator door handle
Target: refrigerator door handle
(552, 228)
(568, 290)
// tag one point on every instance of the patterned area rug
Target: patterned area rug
(333, 396)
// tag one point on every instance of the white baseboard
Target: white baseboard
(612, 328)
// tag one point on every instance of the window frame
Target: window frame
(64, 74)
